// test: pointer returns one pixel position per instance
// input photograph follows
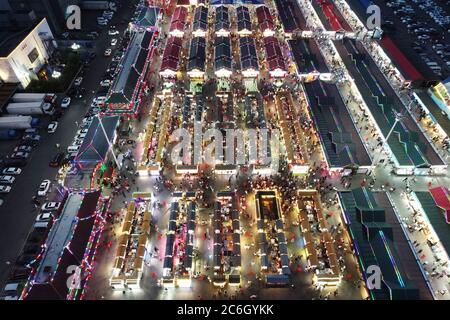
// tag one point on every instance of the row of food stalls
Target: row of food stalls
(193, 117)
(271, 239)
(180, 240)
(156, 135)
(291, 132)
(318, 240)
(65, 265)
(127, 89)
(131, 248)
(226, 240)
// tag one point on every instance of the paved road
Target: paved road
(17, 213)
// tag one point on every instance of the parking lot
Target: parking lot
(410, 24)
(18, 213)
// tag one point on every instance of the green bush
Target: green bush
(73, 63)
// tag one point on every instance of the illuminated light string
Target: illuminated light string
(391, 257)
(96, 229)
(99, 230)
(96, 233)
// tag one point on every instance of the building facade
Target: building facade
(24, 54)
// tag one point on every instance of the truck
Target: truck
(33, 97)
(97, 5)
(16, 122)
(30, 108)
(8, 134)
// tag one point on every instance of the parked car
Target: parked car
(44, 217)
(113, 41)
(107, 52)
(100, 101)
(23, 148)
(20, 155)
(44, 187)
(9, 162)
(80, 136)
(57, 160)
(34, 137)
(32, 131)
(52, 127)
(105, 83)
(31, 143)
(73, 149)
(20, 273)
(5, 189)
(11, 291)
(50, 206)
(78, 81)
(7, 179)
(65, 102)
(113, 32)
(82, 131)
(12, 171)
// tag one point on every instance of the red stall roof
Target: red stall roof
(172, 54)
(274, 55)
(179, 17)
(406, 67)
(265, 19)
(441, 196)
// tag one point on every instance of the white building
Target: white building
(22, 54)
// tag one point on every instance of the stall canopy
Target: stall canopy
(95, 145)
(200, 19)
(244, 22)
(274, 55)
(197, 54)
(124, 88)
(222, 19)
(249, 58)
(286, 9)
(72, 253)
(171, 54)
(222, 59)
(265, 19)
(148, 17)
(178, 21)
